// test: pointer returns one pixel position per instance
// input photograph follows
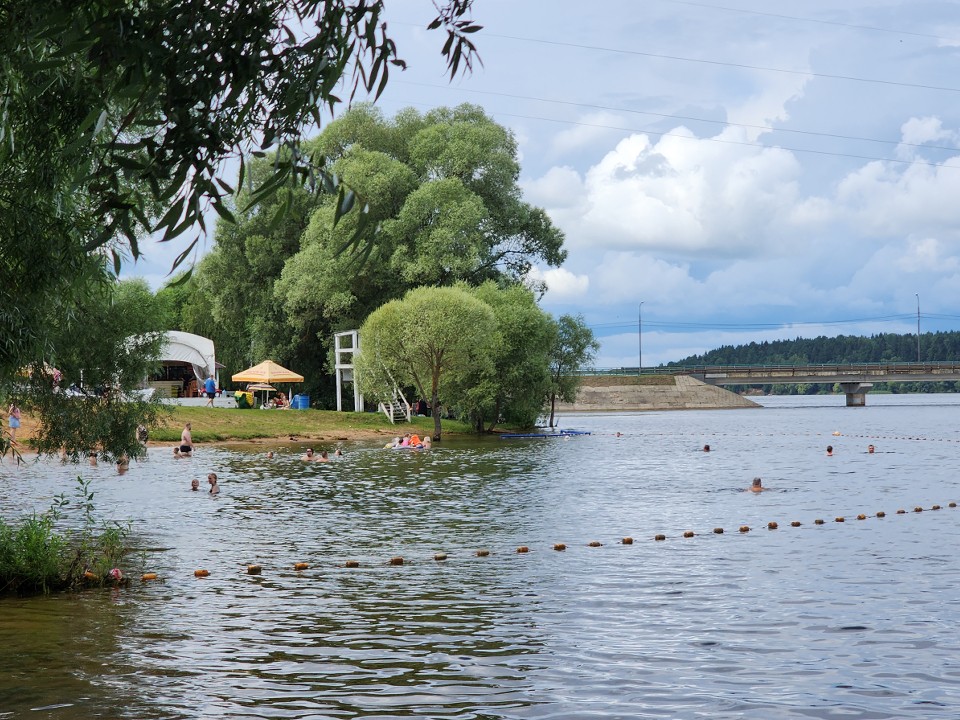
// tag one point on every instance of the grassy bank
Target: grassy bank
(223, 424)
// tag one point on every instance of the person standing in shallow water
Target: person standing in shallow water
(186, 439)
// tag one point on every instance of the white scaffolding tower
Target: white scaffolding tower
(343, 355)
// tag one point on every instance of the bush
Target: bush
(36, 558)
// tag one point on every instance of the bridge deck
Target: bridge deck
(815, 373)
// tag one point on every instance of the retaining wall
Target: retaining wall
(684, 393)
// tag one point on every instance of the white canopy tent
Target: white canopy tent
(183, 349)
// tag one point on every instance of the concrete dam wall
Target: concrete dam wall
(659, 392)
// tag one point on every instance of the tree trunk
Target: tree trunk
(435, 410)
(553, 407)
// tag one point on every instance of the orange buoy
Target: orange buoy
(840, 519)
(881, 514)
(744, 528)
(952, 504)
(301, 566)
(559, 546)
(396, 560)
(90, 575)
(918, 509)
(818, 521)
(935, 507)
(352, 564)
(482, 553)
(148, 576)
(595, 543)
(901, 511)
(772, 526)
(627, 541)
(254, 569)
(659, 537)
(440, 556)
(688, 534)
(718, 531)
(861, 516)
(523, 549)
(201, 573)
(796, 523)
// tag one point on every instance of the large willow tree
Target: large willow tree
(442, 189)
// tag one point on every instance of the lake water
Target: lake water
(841, 620)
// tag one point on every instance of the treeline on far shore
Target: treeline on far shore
(880, 348)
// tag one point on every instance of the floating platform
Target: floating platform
(562, 433)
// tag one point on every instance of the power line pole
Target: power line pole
(640, 339)
(918, 326)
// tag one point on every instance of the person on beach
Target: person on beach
(757, 485)
(210, 388)
(13, 421)
(212, 479)
(186, 439)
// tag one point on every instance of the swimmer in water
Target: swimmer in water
(706, 448)
(870, 449)
(757, 485)
(829, 450)
(195, 485)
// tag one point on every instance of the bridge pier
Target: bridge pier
(856, 393)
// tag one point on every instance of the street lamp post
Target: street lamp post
(918, 326)
(640, 339)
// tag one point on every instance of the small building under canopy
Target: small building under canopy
(186, 360)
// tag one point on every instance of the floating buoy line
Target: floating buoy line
(301, 567)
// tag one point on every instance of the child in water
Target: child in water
(212, 479)
(195, 485)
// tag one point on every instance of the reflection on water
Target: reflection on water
(848, 619)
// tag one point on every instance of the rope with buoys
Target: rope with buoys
(299, 567)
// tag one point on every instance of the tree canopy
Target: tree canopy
(574, 346)
(431, 340)
(443, 189)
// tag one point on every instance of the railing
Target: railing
(397, 409)
(890, 368)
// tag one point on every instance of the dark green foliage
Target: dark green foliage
(36, 558)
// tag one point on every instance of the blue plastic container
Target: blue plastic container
(303, 402)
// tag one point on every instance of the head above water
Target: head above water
(757, 482)
(194, 484)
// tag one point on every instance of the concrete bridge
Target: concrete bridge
(855, 379)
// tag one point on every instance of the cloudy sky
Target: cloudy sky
(745, 169)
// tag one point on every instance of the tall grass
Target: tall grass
(35, 557)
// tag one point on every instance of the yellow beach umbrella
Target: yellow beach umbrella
(268, 372)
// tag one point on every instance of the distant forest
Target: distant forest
(885, 347)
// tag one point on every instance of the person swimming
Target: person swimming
(706, 448)
(829, 450)
(757, 485)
